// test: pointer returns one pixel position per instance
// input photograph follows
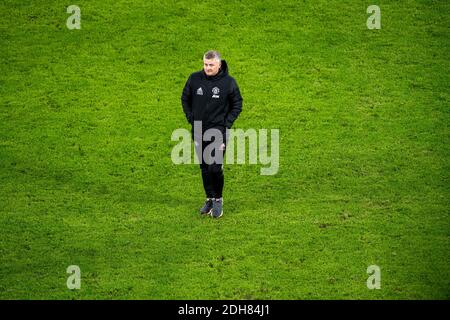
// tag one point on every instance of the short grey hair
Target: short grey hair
(212, 54)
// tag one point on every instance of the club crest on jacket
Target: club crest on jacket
(215, 91)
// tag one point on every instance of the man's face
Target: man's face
(211, 67)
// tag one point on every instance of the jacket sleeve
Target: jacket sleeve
(186, 100)
(235, 100)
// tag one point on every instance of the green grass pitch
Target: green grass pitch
(86, 176)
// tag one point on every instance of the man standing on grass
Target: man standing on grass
(211, 99)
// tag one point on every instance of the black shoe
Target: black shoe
(207, 208)
(217, 210)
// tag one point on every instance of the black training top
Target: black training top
(215, 100)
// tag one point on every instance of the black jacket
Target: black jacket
(216, 100)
